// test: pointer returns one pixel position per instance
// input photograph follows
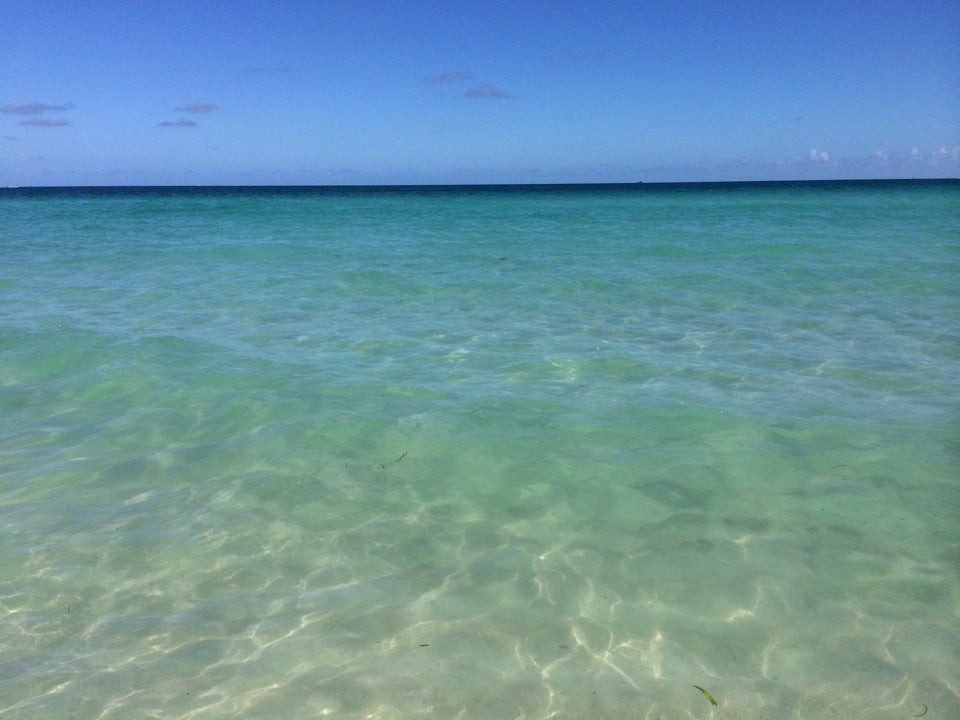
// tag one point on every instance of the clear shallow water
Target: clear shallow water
(498, 453)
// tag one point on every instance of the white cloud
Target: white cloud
(33, 108)
(485, 91)
(46, 122)
(450, 77)
(198, 107)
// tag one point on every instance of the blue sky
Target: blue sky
(96, 92)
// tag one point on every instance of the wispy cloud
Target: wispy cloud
(197, 107)
(45, 122)
(818, 164)
(450, 77)
(178, 123)
(946, 153)
(33, 108)
(485, 91)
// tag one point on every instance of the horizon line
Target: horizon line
(621, 184)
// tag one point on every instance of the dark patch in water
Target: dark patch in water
(673, 494)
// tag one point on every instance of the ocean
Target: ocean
(601, 451)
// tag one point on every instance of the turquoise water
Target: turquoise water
(480, 452)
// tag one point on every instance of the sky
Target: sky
(208, 92)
